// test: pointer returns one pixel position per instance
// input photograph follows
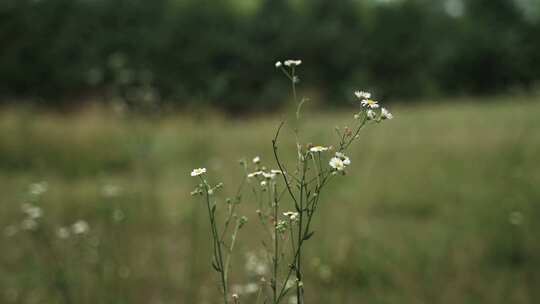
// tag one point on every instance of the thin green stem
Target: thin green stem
(218, 256)
(276, 250)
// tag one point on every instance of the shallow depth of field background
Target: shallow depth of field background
(112, 103)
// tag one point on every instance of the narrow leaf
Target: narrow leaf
(309, 235)
(215, 266)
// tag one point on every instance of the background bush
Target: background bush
(220, 52)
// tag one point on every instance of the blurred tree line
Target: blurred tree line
(222, 52)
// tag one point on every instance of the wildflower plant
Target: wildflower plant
(288, 196)
(47, 241)
(223, 240)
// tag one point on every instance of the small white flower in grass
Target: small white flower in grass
(34, 212)
(198, 171)
(256, 160)
(38, 189)
(264, 183)
(344, 158)
(251, 288)
(293, 216)
(370, 103)
(10, 231)
(281, 226)
(28, 224)
(291, 62)
(62, 233)
(256, 173)
(110, 190)
(337, 163)
(31, 211)
(362, 94)
(80, 227)
(118, 215)
(278, 64)
(318, 149)
(371, 114)
(269, 175)
(385, 114)
(25, 207)
(255, 264)
(516, 218)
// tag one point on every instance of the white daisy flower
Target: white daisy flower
(385, 114)
(337, 163)
(198, 171)
(80, 227)
(269, 175)
(362, 94)
(318, 149)
(253, 174)
(371, 114)
(256, 160)
(291, 62)
(278, 64)
(344, 158)
(370, 103)
(293, 216)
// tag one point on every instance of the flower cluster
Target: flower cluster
(299, 186)
(289, 63)
(198, 171)
(339, 162)
(32, 214)
(292, 216)
(319, 149)
(80, 227)
(371, 107)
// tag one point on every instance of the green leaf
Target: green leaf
(309, 235)
(214, 265)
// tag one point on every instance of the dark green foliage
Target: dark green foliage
(222, 52)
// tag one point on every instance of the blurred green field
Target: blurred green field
(441, 205)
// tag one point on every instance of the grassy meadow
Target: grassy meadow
(440, 205)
